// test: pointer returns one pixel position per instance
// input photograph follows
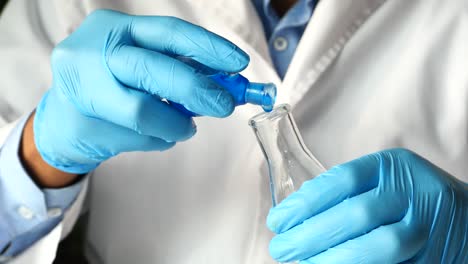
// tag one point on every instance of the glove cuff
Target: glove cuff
(56, 161)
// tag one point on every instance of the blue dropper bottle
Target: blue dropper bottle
(242, 90)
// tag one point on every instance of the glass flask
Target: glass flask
(290, 162)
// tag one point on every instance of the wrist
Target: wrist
(40, 171)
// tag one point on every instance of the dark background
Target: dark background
(2, 3)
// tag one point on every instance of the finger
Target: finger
(349, 219)
(393, 243)
(120, 139)
(326, 190)
(178, 37)
(171, 79)
(149, 116)
(132, 109)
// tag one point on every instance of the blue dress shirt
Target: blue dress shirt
(283, 34)
(28, 212)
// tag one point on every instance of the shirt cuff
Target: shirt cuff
(23, 205)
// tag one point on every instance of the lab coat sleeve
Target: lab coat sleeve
(43, 250)
(27, 212)
(30, 29)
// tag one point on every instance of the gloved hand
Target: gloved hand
(387, 207)
(110, 79)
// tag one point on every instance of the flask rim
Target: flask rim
(277, 113)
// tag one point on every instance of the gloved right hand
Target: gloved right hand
(109, 81)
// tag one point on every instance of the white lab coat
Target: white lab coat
(367, 75)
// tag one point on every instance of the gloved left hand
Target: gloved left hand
(388, 207)
(111, 79)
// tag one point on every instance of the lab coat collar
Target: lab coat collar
(238, 17)
(333, 24)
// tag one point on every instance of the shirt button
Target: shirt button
(54, 212)
(280, 43)
(25, 212)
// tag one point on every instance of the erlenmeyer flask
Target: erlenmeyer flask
(290, 163)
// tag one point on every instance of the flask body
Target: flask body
(290, 163)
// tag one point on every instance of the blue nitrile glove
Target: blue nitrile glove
(388, 207)
(109, 79)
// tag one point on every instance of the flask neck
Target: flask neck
(289, 161)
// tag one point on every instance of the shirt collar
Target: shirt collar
(298, 15)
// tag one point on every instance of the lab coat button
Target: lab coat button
(280, 44)
(25, 212)
(54, 212)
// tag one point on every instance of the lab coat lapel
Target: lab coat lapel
(333, 23)
(238, 16)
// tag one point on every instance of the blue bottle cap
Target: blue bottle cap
(263, 94)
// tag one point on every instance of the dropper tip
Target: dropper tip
(269, 97)
(263, 94)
